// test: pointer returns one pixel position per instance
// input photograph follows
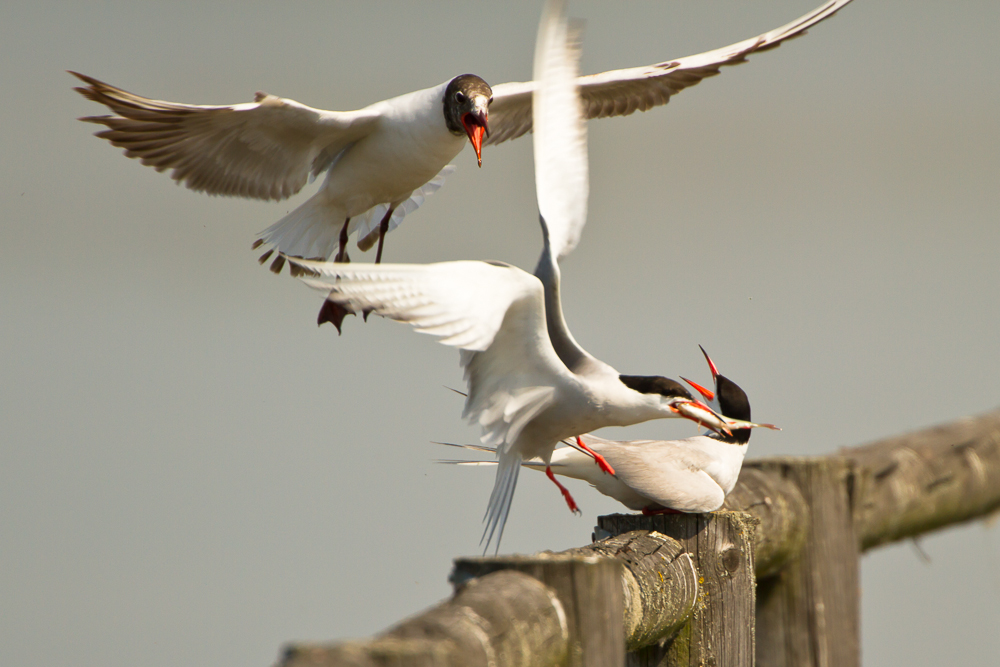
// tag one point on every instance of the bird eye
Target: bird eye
(460, 97)
(490, 101)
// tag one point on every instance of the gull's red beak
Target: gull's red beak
(711, 364)
(707, 393)
(476, 125)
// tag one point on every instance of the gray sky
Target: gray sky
(193, 473)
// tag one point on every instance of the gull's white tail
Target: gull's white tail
(313, 229)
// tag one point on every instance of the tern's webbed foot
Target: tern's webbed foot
(573, 507)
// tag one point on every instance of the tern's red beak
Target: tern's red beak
(707, 393)
(476, 125)
(711, 364)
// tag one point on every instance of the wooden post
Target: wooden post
(660, 583)
(929, 479)
(808, 614)
(590, 590)
(506, 618)
(720, 632)
(783, 514)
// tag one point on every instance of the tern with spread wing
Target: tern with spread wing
(381, 161)
(661, 476)
(521, 392)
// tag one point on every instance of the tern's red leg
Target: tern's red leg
(569, 499)
(383, 227)
(341, 255)
(598, 459)
(646, 511)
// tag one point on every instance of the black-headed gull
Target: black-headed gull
(381, 161)
(657, 476)
(523, 395)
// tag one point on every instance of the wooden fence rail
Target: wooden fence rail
(775, 581)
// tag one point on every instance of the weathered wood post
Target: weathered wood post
(505, 618)
(808, 613)
(720, 632)
(814, 516)
(590, 590)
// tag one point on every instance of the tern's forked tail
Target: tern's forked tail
(503, 493)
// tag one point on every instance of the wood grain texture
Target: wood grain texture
(808, 614)
(915, 483)
(720, 630)
(590, 590)
(659, 582)
(506, 618)
(781, 511)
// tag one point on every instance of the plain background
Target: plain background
(193, 473)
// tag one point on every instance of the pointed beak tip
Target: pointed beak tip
(475, 133)
(711, 364)
(706, 393)
(476, 126)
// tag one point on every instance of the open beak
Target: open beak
(708, 394)
(711, 364)
(476, 124)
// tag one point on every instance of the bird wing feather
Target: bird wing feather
(665, 471)
(560, 144)
(264, 149)
(494, 313)
(625, 91)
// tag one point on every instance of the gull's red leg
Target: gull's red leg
(598, 459)
(569, 499)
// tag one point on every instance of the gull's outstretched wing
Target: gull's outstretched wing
(265, 149)
(625, 91)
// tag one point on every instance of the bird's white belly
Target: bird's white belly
(387, 168)
(567, 417)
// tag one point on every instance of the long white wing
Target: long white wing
(560, 142)
(495, 313)
(625, 91)
(647, 472)
(464, 303)
(264, 149)
(673, 473)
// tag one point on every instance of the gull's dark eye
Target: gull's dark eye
(490, 101)
(460, 97)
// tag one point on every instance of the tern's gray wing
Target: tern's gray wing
(665, 471)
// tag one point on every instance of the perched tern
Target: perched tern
(521, 392)
(660, 476)
(381, 161)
